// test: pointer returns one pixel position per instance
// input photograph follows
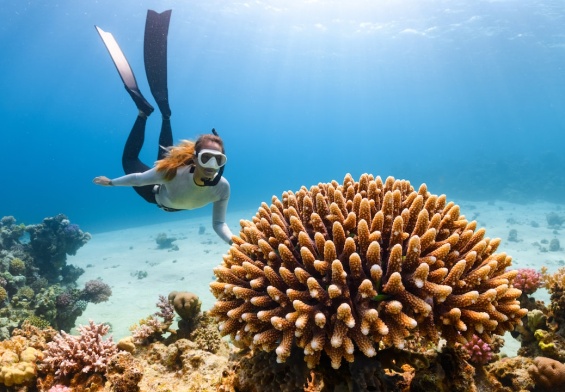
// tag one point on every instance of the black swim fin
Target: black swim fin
(125, 71)
(155, 55)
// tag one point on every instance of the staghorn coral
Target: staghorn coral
(553, 282)
(86, 353)
(362, 266)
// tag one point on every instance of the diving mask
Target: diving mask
(211, 159)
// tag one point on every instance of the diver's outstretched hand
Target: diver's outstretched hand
(102, 180)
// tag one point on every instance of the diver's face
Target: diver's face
(209, 160)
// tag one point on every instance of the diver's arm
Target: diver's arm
(219, 217)
(148, 177)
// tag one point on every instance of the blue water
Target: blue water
(467, 96)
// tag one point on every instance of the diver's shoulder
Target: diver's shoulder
(224, 182)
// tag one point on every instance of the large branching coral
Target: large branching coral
(362, 266)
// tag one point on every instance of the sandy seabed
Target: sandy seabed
(138, 271)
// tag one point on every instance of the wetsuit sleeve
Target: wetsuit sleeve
(149, 177)
(219, 216)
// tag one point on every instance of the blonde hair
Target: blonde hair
(183, 154)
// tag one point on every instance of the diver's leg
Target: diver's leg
(130, 156)
(155, 56)
(165, 138)
(134, 143)
(125, 71)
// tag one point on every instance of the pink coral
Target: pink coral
(480, 352)
(152, 328)
(528, 280)
(59, 388)
(85, 353)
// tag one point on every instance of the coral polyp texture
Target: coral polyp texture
(363, 265)
(528, 280)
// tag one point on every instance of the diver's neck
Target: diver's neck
(199, 178)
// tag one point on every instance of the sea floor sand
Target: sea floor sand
(138, 271)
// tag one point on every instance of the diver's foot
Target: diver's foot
(140, 101)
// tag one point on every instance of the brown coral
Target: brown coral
(548, 373)
(362, 266)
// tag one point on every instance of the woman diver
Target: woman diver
(187, 175)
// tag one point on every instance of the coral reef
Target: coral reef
(180, 366)
(36, 283)
(51, 241)
(511, 374)
(124, 373)
(362, 266)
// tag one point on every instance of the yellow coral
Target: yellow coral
(3, 294)
(17, 266)
(362, 266)
(553, 282)
(26, 292)
(17, 361)
(38, 322)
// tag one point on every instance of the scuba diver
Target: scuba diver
(187, 175)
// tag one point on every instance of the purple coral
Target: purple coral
(480, 352)
(71, 229)
(64, 300)
(166, 310)
(86, 353)
(152, 328)
(96, 291)
(528, 280)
